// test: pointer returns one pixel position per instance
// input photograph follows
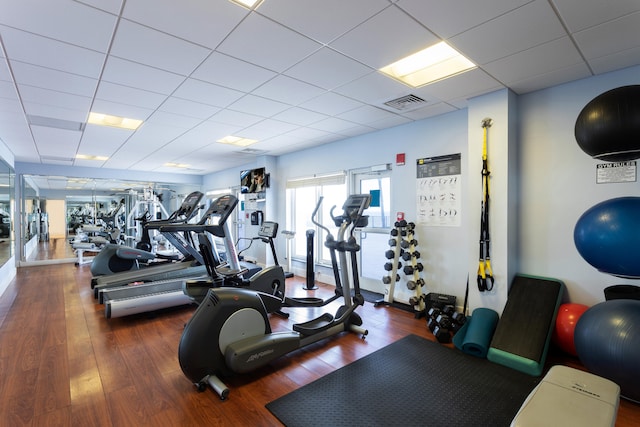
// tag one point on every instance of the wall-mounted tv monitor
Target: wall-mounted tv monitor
(254, 180)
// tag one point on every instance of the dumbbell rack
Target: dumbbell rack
(403, 246)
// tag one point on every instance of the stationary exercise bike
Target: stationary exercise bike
(230, 332)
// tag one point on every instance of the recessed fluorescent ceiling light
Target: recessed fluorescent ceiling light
(429, 65)
(113, 121)
(176, 165)
(249, 4)
(88, 157)
(238, 141)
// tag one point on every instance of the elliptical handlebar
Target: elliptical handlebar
(315, 212)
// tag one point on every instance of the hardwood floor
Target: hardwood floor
(63, 364)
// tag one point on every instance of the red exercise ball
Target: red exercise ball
(568, 315)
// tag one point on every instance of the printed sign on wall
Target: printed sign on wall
(439, 185)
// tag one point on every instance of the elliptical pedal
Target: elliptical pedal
(314, 326)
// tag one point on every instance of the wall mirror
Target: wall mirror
(58, 210)
(7, 200)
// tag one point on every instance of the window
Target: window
(302, 197)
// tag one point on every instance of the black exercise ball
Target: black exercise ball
(608, 127)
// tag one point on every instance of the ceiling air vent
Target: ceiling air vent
(251, 152)
(406, 103)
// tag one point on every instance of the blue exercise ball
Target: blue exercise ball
(608, 127)
(607, 236)
(607, 340)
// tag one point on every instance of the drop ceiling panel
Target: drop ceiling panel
(526, 27)
(129, 95)
(56, 113)
(184, 107)
(258, 106)
(32, 75)
(59, 100)
(551, 78)
(615, 61)
(33, 49)
(140, 76)
(332, 124)
(111, 6)
(431, 110)
(156, 49)
(205, 134)
(299, 116)
(367, 115)
(288, 90)
(331, 103)
(579, 15)
(102, 140)
(150, 137)
(180, 122)
(614, 36)
(328, 69)
(121, 110)
(237, 119)
(375, 89)
(475, 81)
(207, 93)
(256, 39)
(202, 22)
(447, 22)
(233, 73)
(541, 59)
(266, 129)
(321, 21)
(63, 20)
(384, 38)
(56, 142)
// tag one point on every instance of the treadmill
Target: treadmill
(114, 256)
(168, 292)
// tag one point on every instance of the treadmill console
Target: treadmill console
(189, 205)
(268, 229)
(220, 209)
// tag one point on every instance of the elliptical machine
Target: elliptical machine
(230, 333)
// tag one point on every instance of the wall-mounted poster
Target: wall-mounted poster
(439, 185)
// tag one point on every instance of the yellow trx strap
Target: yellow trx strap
(485, 273)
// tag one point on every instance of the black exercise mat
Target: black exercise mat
(412, 382)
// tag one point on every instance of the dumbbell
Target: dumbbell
(411, 226)
(408, 255)
(459, 319)
(444, 321)
(443, 335)
(389, 254)
(394, 232)
(387, 279)
(414, 300)
(401, 223)
(388, 266)
(393, 242)
(406, 243)
(411, 285)
(448, 310)
(409, 269)
(420, 282)
(431, 323)
(433, 312)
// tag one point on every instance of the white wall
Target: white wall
(554, 184)
(558, 184)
